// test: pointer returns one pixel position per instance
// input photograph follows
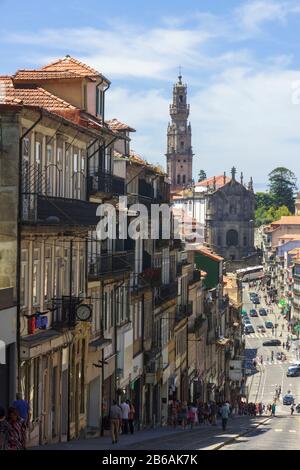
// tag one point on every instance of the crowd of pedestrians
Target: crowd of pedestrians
(14, 425)
(121, 419)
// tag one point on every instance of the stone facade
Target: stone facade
(179, 148)
(230, 220)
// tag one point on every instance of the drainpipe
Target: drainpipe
(19, 227)
(103, 102)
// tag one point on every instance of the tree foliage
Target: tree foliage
(279, 201)
(282, 184)
(202, 176)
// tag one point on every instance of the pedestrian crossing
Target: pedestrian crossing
(260, 335)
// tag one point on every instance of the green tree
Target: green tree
(264, 200)
(282, 184)
(202, 176)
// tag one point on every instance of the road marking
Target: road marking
(292, 430)
(278, 430)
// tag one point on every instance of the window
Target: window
(38, 175)
(47, 279)
(183, 179)
(99, 102)
(24, 278)
(36, 278)
(180, 98)
(182, 145)
(104, 311)
(245, 241)
(232, 238)
(178, 179)
(25, 173)
(84, 96)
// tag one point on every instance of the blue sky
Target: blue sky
(240, 59)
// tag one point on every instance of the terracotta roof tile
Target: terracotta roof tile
(29, 75)
(117, 125)
(210, 181)
(69, 64)
(34, 96)
(210, 254)
(287, 220)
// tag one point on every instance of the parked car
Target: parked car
(293, 371)
(288, 399)
(248, 329)
(261, 329)
(298, 408)
(252, 294)
(246, 320)
(263, 312)
(279, 355)
(253, 313)
(256, 300)
(272, 342)
(269, 324)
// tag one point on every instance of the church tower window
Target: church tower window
(183, 179)
(178, 179)
(232, 238)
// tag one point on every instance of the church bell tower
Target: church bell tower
(179, 147)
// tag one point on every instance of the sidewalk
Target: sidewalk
(203, 436)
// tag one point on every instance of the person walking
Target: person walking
(273, 409)
(174, 413)
(131, 415)
(115, 416)
(4, 430)
(125, 413)
(224, 415)
(16, 431)
(292, 409)
(184, 414)
(22, 407)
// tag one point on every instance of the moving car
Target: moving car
(272, 342)
(261, 329)
(263, 312)
(253, 313)
(288, 399)
(269, 324)
(293, 371)
(248, 329)
(279, 355)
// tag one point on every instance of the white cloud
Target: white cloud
(252, 15)
(241, 108)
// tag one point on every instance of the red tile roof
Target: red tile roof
(210, 181)
(71, 65)
(117, 125)
(28, 75)
(210, 254)
(33, 96)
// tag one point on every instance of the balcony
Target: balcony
(196, 277)
(105, 184)
(64, 312)
(199, 323)
(167, 292)
(152, 276)
(49, 210)
(184, 311)
(110, 264)
(146, 190)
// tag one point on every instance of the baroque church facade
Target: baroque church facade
(179, 140)
(230, 219)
